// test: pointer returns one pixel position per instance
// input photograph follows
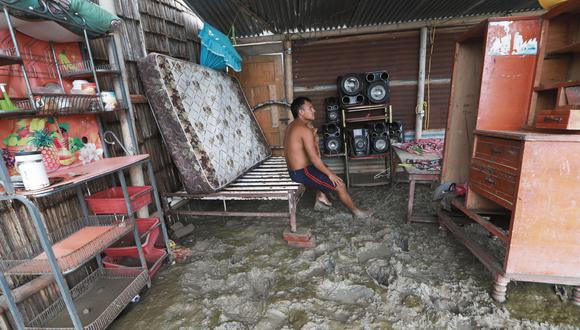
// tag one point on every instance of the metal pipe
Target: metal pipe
(83, 204)
(11, 302)
(419, 110)
(127, 118)
(94, 72)
(131, 216)
(56, 65)
(46, 245)
(158, 206)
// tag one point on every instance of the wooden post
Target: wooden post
(420, 112)
(288, 75)
(126, 118)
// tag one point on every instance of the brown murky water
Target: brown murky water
(380, 274)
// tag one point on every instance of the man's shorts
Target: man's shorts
(312, 177)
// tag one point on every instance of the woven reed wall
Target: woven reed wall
(163, 26)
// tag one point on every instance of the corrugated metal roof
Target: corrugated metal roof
(259, 17)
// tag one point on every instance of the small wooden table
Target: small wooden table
(415, 175)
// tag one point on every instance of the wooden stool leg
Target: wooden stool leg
(292, 211)
(576, 296)
(500, 288)
(411, 197)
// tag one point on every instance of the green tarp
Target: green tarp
(72, 14)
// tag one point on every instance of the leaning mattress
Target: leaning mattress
(206, 123)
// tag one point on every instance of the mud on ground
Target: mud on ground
(380, 274)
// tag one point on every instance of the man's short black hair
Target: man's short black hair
(297, 104)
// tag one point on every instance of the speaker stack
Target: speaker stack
(379, 138)
(364, 88)
(332, 132)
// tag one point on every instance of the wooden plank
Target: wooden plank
(463, 102)
(479, 252)
(281, 188)
(234, 214)
(263, 184)
(493, 229)
(264, 180)
(281, 177)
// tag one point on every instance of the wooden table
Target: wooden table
(415, 175)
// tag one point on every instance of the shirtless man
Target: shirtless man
(304, 163)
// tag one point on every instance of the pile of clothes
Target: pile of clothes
(425, 164)
(424, 147)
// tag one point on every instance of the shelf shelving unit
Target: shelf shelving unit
(358, 115)
(64, 250)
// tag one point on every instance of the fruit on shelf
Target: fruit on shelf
(43, 141)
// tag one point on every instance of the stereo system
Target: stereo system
(359, 142)
(364, 88)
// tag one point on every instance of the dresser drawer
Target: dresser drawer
(503, 152)
(568, 119)
(497, 185)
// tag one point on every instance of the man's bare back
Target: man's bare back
(296, 156)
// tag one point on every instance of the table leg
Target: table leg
(411, 197)
(576, 296)
(500, 288)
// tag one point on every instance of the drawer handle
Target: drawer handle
(552, 119)
(495, 150)
(489, 180)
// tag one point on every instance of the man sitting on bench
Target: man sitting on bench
(304, 163)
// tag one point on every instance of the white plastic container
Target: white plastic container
(31, 168)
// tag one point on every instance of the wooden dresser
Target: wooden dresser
(536, 176)
(523, 180)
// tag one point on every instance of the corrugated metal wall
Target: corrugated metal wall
(316, 65)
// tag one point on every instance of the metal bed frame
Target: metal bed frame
(268, 181)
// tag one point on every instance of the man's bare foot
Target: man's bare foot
(322, 198)
(320, 206)
(361, 214)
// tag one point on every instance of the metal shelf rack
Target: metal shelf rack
(369, 115)
(51, 252)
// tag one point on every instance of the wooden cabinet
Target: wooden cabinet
(523, 180)
(555, 102)
(490, 87)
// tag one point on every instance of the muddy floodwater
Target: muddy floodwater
(379, 274)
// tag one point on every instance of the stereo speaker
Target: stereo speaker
(359, 142)
(377, 76)
(379, 138)
(351, 84)
(378, 92)
(332, 138)
(333, 112)
(397, 132)
(351, 100)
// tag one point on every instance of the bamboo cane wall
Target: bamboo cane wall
(163, 26)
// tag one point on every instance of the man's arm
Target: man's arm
(314, 156)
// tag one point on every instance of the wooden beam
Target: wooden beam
(25, 291)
